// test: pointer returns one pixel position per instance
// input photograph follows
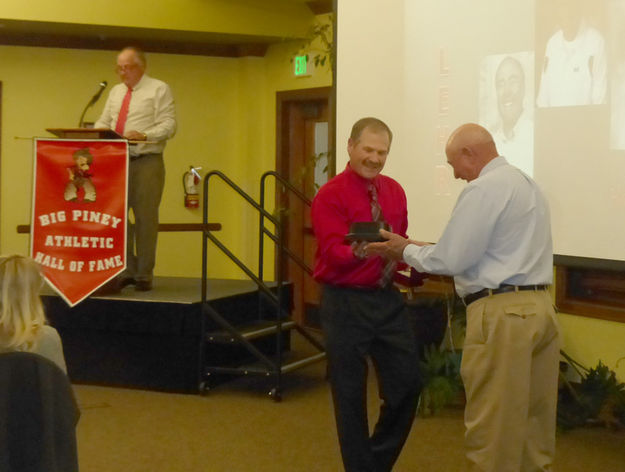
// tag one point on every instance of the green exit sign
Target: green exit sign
(302, 67)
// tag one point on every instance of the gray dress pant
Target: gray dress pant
(146, 179)
(359, 324)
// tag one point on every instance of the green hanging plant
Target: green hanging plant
(598, 399)
(440, 372)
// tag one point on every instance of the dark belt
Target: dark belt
(139, 156)
(502, 289)
(363, 288)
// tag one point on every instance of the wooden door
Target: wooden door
(305, 133)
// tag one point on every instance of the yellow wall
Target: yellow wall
(588, 340)
(277, 18)
(226, 121)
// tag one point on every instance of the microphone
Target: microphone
(98, 94)
(94, 99)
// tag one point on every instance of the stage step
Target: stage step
(249, 331)
(258, 341)
(290, 362)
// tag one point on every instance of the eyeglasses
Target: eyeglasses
(125, 67)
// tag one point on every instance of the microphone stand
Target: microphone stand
(94, 99)
(81, 122)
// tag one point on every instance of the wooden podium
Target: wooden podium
(84, 133)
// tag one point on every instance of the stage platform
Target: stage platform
(151, 340)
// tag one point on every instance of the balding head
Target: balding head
(131, 65)
(469, 149)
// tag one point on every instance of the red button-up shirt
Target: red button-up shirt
(341, 202)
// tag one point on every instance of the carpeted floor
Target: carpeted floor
(237, 428)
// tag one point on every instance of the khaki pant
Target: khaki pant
(146, 179)
(510, 372)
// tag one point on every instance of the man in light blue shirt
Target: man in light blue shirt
(497, 245)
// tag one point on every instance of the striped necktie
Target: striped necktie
(123, 113)
(388, 271)
(376, 211)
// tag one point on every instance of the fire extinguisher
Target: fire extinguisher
(190, 181)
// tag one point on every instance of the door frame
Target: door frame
(282, 121)
(284, 137)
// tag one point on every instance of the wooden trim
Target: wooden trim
(560, 286)
(592, 306)
(0, 145)
(303, 95)
(333, 100)
(162, 227)
(85, 36)
(319, 7)
(591, 310)
(296, 110)
(282, 140)
(173, 227)
(434, 286)
(588, 262)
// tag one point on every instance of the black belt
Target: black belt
(363, 288)
(148, 154)
(502, 289)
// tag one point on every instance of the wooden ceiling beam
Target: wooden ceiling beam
(72, 36)
(319, 7)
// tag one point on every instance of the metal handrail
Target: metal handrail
(264, 231)
(274, 298)
(298, 260)
(208, 235)
(275, 368)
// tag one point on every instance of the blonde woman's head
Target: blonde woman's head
(21, 311)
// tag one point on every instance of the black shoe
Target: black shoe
(109, 288)
(143, 285)
(125, 281)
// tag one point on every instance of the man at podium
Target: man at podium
(141, 108)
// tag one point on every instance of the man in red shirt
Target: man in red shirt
(362, 313)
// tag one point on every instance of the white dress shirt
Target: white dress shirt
(151, 112)
(575, 72)
(499, 233)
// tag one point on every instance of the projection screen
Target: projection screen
(547, 78)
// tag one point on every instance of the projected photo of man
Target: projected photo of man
(574, 66)
(506, 109)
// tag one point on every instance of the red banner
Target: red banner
(78, 226)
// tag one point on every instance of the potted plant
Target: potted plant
(440, 322)
(597, 399)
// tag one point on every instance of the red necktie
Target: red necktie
(123, 113)
(389, 268)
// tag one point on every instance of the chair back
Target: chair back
(38, 415)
